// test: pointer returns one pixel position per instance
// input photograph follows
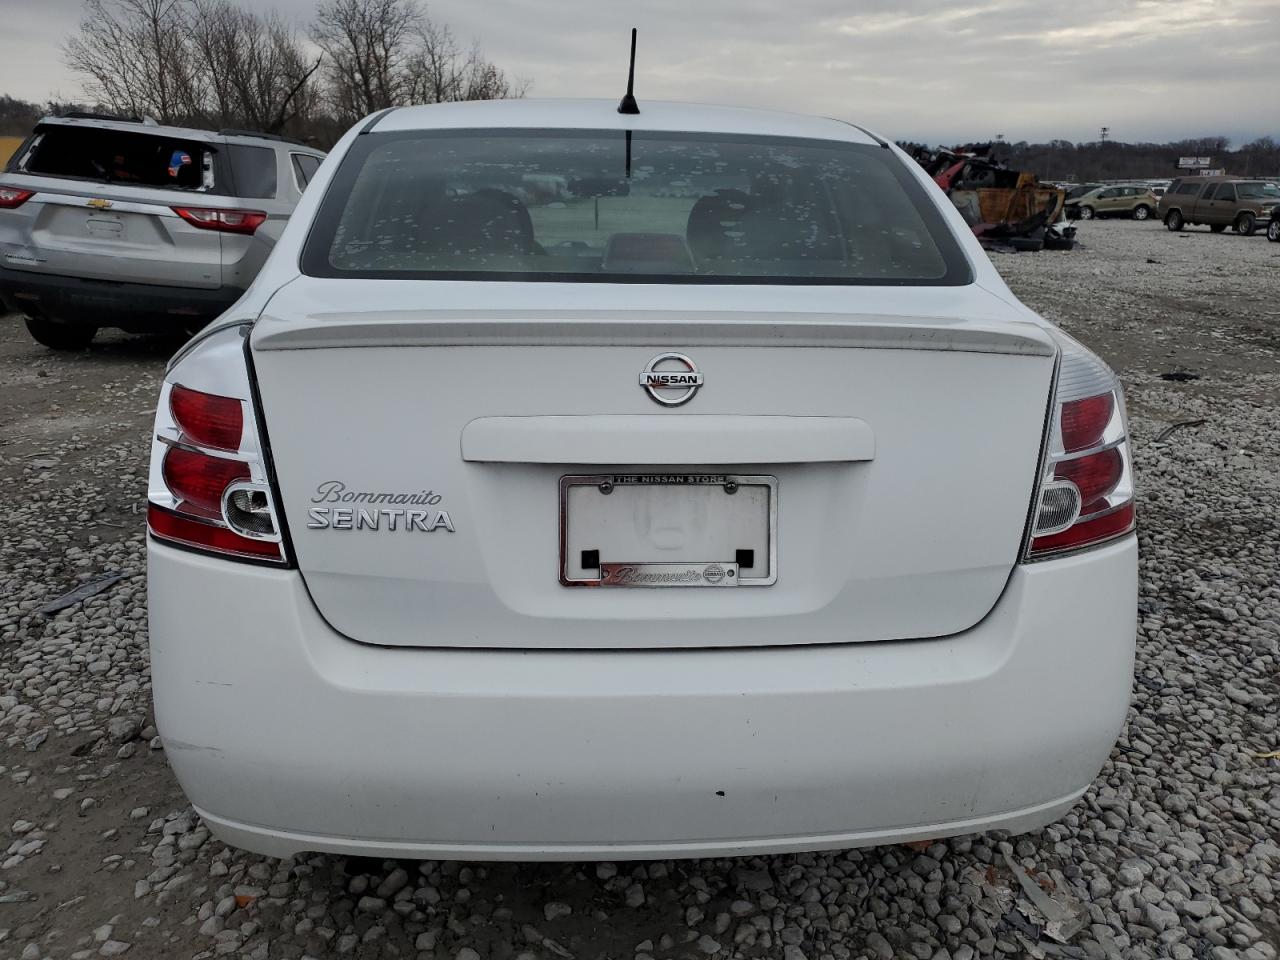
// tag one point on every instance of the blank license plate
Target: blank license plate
(668, 530)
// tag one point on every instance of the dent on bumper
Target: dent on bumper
(288, 737)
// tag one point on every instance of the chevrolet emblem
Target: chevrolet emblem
(99, 204)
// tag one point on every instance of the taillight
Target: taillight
(1085, 494)
(11, 197)
(198, 480)
(226, 221)
(210, 489)
(206, 419)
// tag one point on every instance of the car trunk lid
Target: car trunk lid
(895, 446)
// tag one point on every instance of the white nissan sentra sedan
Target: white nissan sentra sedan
(573, 484)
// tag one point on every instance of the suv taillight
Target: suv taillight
(210, 489)
(225, 221)
(11, 197)
(1085, 495)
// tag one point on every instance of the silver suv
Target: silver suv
(121, 223)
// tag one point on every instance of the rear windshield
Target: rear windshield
(112, 156)
(612, 207)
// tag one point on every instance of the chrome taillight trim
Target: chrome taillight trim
(265, 489)
(217, 363)
(1078, 374)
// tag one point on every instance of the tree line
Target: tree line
(214, 64)
(1114, 160)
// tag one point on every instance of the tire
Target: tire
(1217, 227)
(1087, 213)
(1245, 224)
(1273, 231)
(1173, 220)
(1142, 212)
(60, 336)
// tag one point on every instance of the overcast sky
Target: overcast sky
(913, 69)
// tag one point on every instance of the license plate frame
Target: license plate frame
(713, 572)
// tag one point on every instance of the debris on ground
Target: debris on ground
(1063, 920)
(1168, 431)
(81, 593)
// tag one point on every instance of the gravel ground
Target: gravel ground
(1174, 852)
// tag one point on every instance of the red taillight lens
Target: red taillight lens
(207, 419)
(1095, 475)
(198, 480)
(226, 221)
(1087, 530)
(1084, 421)
(173, 526)
(11, 197)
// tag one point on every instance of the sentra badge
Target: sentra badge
(671, 379)
(340, 508)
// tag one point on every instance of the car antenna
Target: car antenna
(628, 104)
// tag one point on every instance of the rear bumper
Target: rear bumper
(133, 306)
(289, 737)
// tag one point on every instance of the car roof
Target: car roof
(654, 115)
(183, 133)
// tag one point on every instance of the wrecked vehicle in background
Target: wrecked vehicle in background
(1006, 209)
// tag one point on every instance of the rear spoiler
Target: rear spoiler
(426, 328)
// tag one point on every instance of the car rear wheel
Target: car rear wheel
(1086, 213)
(1246, 223)
(1173, 220)
(1273, 231)
(60, 336)
(1142, 212)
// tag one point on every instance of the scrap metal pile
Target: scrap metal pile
(1007, 209)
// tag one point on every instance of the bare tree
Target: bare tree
(132, 54)
(204, 62)
(251, 70)
(384, 53)
(214, 63)
(439, 71)
(368, 44)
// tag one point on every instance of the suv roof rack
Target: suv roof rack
(232, 132)
(90, 115)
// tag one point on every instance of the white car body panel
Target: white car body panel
(289, 737)
(442, 694)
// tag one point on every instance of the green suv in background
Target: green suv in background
(1136, 202)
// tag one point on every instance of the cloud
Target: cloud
(917, 69)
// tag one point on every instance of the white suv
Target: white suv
(576, 484)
